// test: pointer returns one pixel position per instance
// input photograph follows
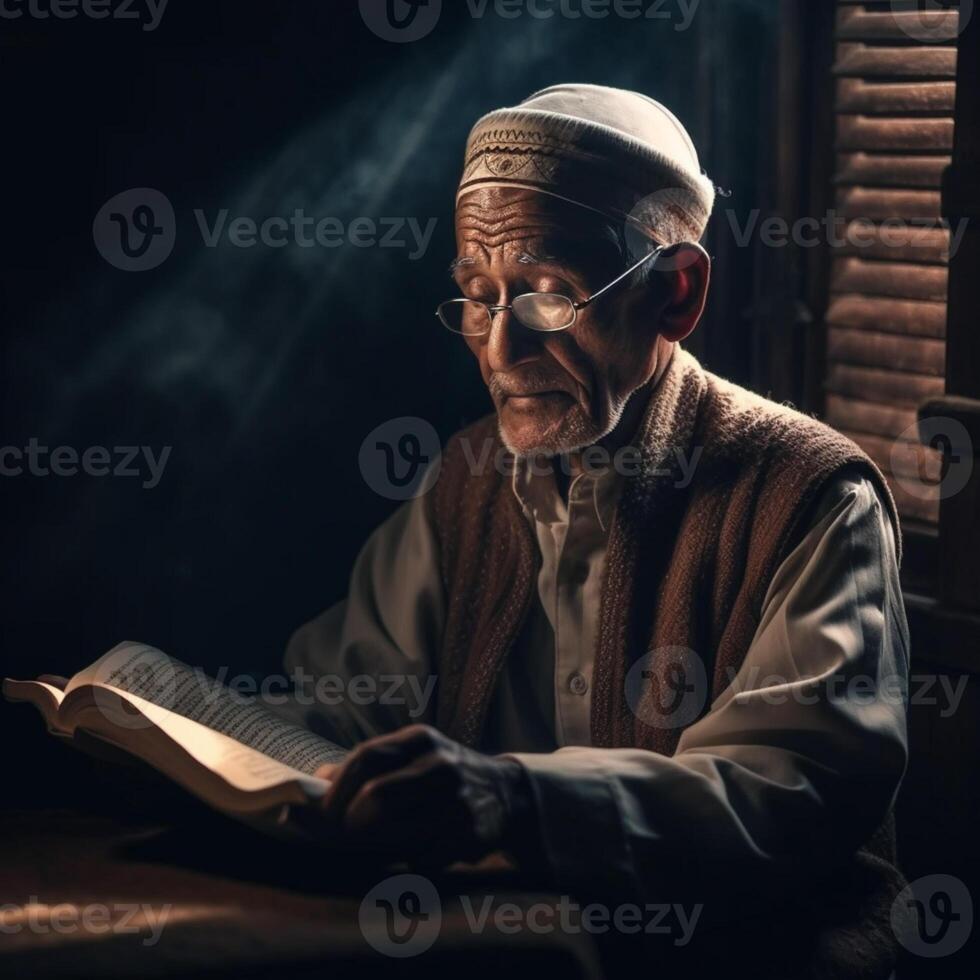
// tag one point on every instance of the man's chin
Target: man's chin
(544, 426)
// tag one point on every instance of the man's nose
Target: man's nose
(510, 343)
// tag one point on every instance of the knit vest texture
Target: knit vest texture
(688, 565)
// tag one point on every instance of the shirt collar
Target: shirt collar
(536, 490)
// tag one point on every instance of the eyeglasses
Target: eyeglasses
(543, 312)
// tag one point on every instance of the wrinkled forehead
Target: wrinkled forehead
(524, 225)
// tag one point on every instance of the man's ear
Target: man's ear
(682, 274)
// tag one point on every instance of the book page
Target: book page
(243, 767)
(45, 697)
(55, 693)
(149, 674)
(22, 688)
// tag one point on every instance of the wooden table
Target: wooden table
(84, 894)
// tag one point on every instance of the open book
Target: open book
(228, 750)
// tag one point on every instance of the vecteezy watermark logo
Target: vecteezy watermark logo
(136, 230)
(683, 11)
(571, 918)
(941, 918)
(401, 916)
(932, 21)
(667, 687)
(409, 691)
(677, 462)
(951, 438)
(99, 461)
(94, 919)
(307, 231)
(148, 13)
(401, 20)
(944, 692)
(400, 459)
(411, 20)
(835, 230)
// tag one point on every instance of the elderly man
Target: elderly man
(667, 637)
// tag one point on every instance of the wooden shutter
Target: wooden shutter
(886, 315)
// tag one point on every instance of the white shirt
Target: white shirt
(798, 759)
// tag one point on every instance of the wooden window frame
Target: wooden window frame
(941, 573)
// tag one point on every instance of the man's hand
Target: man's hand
(423, 798)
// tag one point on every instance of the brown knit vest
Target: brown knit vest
(686, 567)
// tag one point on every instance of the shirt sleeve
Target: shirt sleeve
(364, 667)
(793, 766)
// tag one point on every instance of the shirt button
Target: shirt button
(577, 684)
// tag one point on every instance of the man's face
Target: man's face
(554, 392)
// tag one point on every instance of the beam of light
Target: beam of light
(217, 337)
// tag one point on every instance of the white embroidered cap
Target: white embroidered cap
(616, 152)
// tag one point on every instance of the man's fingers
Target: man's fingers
(418, 796)
(407, 805)
(425, 786)
(374, 758)
(368, 760)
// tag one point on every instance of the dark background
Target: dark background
(264, 369)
